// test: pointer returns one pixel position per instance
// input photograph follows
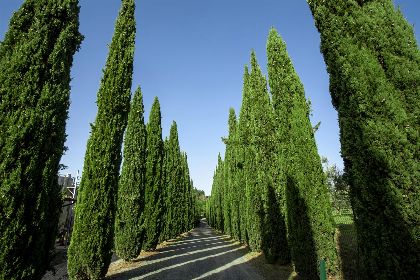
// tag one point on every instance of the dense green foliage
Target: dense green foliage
(201, 202)
(308, 208)
(35, 60)
(215, 212)
(272, 172)
(338, 188)
(154, 181)
(231, 208)
(374, 65)
(180, 203)
(129, 216)
(173, 178)
(90, 250)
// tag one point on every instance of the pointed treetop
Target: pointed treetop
(245, 92)
(155, 107)
(232, 115)
(274, 40)
(232, 121)
(246, 71)
(174, 130)
(138, 101)
(256, 74)
(155, 114)
(173, 137)
(283, 79)
(254, 62)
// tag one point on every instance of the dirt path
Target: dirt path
(202, 254)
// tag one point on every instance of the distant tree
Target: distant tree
(90, 251)
(36, 56)
(374, 64)
(154, 171)
(187, 206)
(129, 217)
(200, 203)
(309, 219)
(216, 199)
(338, 187)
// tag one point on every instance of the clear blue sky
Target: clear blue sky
(191, 54)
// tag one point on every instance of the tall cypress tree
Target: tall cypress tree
(310, 224)
(187, 203)
(263, 143)
(230, 170)
(374, 65)
(35, 60)
(154, 188)
(90, 250)
(216, 199)
(174, 181)
(129, 216)
(253, 192)
(165, 192)
(242, 139)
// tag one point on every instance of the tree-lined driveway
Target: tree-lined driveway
(202, 254)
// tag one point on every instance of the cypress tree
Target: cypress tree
(154, 170)
(216, 199)
(165, 192)
(374, 65)
(242, 138)
(174, 181)
(253, 191)
(129, 216)
(226, 200)
(35, 60)
(183, 190)
(220, 194)
(271, 230)
(187, 204)
(90, 250)
(230, 169)
(310, 224)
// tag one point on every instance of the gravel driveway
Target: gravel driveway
(203, 254)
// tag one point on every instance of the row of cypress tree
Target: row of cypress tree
(270, 191)
(373, 61)
(153, 199)
(153, 186)
(35, 61)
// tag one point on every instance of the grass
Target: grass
(347, 245)
(344, 219)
